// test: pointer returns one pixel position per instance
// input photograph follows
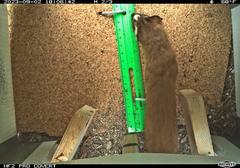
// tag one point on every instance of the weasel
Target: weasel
(160, 134)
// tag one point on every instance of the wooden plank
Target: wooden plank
(74, 134)
(41, 154)
(130, 144)
(7, 111)
(196, 121)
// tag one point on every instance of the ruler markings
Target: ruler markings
(129, 58)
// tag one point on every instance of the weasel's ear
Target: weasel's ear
(156, 18)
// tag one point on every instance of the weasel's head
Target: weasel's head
(144, 25)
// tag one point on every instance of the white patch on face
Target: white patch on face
(136, 30)
(135, 18)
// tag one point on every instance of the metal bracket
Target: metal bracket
(111, 13)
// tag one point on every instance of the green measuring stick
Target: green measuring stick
(128, 53)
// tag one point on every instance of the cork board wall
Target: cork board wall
(65, 56)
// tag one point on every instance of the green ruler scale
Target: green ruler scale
(131, 72)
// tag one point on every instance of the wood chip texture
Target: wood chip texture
(65, 56)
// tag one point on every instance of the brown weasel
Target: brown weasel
(160, 134)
